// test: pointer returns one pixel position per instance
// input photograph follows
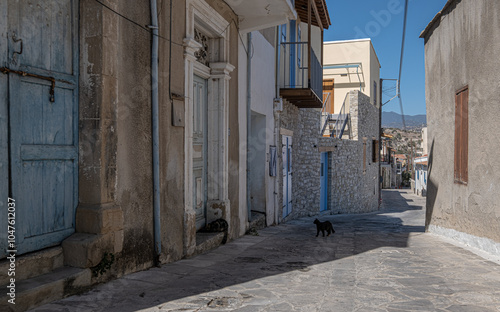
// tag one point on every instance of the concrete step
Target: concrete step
(32, 264)
(207, 241)
(60, 283)
(258, 221)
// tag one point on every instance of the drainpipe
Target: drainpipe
(277, 121)
(249, 118)
(155, 131)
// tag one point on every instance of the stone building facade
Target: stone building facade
(303, 125)
(354, 164)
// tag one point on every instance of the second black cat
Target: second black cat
(219, 225)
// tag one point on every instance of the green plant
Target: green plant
(406, 178)
(105, 264)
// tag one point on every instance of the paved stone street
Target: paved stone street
(374, 262)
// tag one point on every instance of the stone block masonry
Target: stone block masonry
(304, 125)
(353, 176)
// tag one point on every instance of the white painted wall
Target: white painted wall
(316, 39)
(424, 141)
(263, 93)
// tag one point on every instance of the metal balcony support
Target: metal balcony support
(343, 117)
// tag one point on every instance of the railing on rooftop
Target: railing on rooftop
(325, 112)
(342, 118)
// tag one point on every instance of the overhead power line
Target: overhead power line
(145, 28)
(401, 63)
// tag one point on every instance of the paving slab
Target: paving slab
(382, 261)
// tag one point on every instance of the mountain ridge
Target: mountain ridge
(394, 120)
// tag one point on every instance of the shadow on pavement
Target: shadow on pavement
(280, 249)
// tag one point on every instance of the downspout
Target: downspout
(155, 131)
(249, 118)
(277, 121)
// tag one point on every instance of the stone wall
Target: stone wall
(351, 189)
(353, 176)
(364, 117)
(303, 125)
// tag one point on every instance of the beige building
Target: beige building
(463, 187)
(352, 65)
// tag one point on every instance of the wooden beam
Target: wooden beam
(316, 13)
(321, 56)
(325, 12)
(302, 98)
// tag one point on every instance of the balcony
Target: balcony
(262, 14)
(301, 83)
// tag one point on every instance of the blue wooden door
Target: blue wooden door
(43, 120)
(287, 174)
(324, 182)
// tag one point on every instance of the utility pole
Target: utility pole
(411, 144)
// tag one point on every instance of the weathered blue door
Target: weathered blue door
(42, 65)
(287, 174)
(324, 182)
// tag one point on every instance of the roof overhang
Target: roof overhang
(427, 29)
(319, 15)
(261, 14)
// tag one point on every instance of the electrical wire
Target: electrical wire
(145, 28)
(241, 40)
(401, 63)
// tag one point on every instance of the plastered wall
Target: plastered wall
(459, 51)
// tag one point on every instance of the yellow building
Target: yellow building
(351, 65)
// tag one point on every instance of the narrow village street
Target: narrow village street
(374, 262)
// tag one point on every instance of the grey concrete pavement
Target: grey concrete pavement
(374, 262)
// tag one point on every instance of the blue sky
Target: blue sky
(382, 21)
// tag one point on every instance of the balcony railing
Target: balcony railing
(301, 83)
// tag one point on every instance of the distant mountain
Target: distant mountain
(394, 120)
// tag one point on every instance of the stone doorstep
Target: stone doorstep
(206, 242)
(33, 264)
(258, 221)
(33, 292)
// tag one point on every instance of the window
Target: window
(375, 100)
(461, 135)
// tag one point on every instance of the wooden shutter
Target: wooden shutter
(465, 137)
(328, 90)
(458, 107)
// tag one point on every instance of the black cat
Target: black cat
(219, 225)
(324, 226)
